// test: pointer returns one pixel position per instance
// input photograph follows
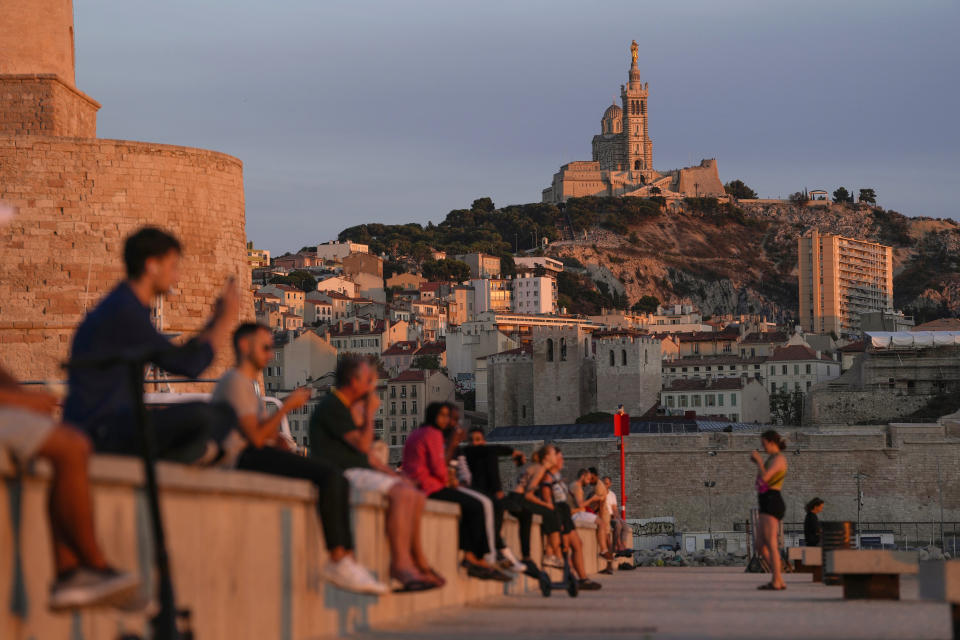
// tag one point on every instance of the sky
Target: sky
(399, 111)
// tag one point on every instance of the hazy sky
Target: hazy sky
(362, 111)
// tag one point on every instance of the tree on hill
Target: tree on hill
(799, 197)
(483, 204)
(299, 279)
(446, 269)
(841, 195)
(868, 196)
(425, 362)
(646, 304)
(739, 190)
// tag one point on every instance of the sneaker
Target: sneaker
(348, 575)
(514, 565)
(553, 561)
(87, 587)
(589, 585)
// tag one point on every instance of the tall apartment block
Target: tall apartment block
(841, 278)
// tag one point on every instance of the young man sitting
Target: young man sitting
(253, 446)
(100, 400)
(28, 430)
(341, 434)
(582, 506)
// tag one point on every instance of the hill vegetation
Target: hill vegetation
(634, 252)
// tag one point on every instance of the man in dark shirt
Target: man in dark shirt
(100, 400)
(484, 464)
(341, 434)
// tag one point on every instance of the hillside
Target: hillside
(723, 258)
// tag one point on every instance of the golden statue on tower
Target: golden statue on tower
(633, 52)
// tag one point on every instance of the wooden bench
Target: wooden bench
(940, 581)
(871, 574)
(807, 560)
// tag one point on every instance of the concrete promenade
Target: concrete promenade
(689, 603)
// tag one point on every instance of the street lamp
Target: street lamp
(859, 476)
(710, 484)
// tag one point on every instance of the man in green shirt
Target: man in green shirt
(341, 434)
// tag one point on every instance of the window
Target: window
(796, 369)
(403, 425)
(563, 348)
(809, 383)
(393, 392)
(393, 408)
(710, 400)
(549, 349)
(683, 400)
(523, 411)
(720, 399)
(733, 399)
(393, 440)
(646, 357)
(403, 391)
(783, 369)
(809, 369)
(773, 370)
(669, 401)
(623, 357)
(413, 392)
(695, 400)
(413, 409)
(403, 407)
(613, 359)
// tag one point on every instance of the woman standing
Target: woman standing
(811, 524)
(770, 476)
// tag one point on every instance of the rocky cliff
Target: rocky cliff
(744, 259)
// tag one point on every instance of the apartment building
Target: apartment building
(337, 251)
(737, 399)
(797, 367)
(407, 397)
(534, 294)
(482, 265)
(840, 279)
(290, 297)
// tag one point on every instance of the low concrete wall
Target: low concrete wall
(246, 552)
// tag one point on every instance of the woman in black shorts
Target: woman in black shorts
(770, 476)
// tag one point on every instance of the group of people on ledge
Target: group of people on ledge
(234, 430)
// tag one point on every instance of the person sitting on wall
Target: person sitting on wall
(426, 463)
(101, 401)
(600, 492)
(582, 506)
(556, 492)
(255, 445)
(341, 434)
(29, 430)
(483, 462)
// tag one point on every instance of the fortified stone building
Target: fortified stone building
(622, 162)
(75, 198)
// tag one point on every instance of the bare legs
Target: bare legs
(404, 510)
(768, 544)
(573, 540)
(70, 505)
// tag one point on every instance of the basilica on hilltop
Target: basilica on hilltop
(622, 162)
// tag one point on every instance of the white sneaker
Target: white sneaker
(348, 575)
(85, 587)
(553, 561)
(515, 565)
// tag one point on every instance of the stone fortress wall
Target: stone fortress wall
(76, 197)
(665, 473)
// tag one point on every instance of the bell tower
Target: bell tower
(638, 146)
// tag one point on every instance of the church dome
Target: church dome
(613, 112)
(612, 122)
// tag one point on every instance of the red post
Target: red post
(621, 427)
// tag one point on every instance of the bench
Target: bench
(871, 574)
(940, 581)
(807, 560)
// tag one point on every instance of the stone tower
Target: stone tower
(639, 147)
(37, 37)
(75, 197)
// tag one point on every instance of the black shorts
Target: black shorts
(565, 516)
(771, 503)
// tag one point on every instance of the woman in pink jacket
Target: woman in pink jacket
(425, 462)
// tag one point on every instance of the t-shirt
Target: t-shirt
(243, 394)
(561, 492)
(611, 503)
(332, 420)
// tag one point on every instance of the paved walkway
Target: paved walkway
(689, 603)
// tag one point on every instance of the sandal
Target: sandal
(435, 577)
(768, 586)
(409, 584)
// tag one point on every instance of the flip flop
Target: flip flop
(439, 579)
